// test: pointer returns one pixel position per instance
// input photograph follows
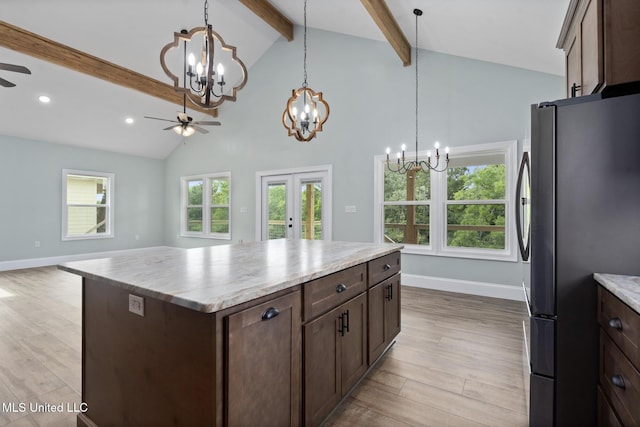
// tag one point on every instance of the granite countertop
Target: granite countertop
(213, 278)
(627, 288)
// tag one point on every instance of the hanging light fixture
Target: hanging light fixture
(204, 79)
(306, 110)
(402, 165)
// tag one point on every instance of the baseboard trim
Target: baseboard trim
(43, 262)
(493, 290)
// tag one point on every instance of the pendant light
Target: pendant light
(204, 81)
(306, 110)
(402, 165)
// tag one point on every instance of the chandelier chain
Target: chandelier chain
(416, 86)
(304, 84)
(206, 13)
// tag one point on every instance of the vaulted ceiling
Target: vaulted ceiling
(88, 111)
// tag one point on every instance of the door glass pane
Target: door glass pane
(277, 206)
(311, 210)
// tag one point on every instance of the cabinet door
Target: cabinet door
(353, 346)
(264, 364)
(574, 67)
(377, 331)
(591, 41)
(322, 371)
(384, 315)
(393, 309)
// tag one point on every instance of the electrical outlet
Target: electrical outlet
(36, 243)
(136, 305)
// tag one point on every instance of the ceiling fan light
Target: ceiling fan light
(188, 131)
(177, 129)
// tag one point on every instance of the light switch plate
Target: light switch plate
(136, 305)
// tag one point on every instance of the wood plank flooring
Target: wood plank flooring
(457, 361)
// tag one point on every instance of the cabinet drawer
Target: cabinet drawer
(606, 416)
(621, 323)
(620, 382)
(384, 267)
(321, 295)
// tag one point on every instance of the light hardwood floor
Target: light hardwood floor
(457, 361)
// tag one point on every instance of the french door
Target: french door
(295, 205)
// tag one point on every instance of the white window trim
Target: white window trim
(437, 213)
(206, 207)
(110, 232)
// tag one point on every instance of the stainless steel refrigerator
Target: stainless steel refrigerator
(585, 218)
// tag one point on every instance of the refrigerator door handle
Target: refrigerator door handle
(521, 205)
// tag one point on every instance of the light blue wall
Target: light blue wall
(31, 192)
(462, 102)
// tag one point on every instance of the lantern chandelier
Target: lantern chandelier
(203, 81)
(402, 165)
(306, 101)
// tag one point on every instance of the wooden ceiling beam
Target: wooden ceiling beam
(382, 16)
(34, 45)
(271, 16)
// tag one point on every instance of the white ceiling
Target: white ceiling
(89, 112)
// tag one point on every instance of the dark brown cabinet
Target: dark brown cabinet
(335, 348)
(263, 383)
(286, 358)
(619, 379)
(384, 315)
(600, 41)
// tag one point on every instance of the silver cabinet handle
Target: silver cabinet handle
(270, 313)
(616, 323)
(618, 381)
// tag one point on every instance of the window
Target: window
(206, 206)
(462, 212)
(87, 205)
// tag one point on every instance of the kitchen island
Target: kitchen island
(214, 336)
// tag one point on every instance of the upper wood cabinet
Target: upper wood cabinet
(601, 41)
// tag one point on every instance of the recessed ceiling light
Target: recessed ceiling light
(129, 120)
(44, 99)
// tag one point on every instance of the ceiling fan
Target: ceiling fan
(15, 69)
(185, 125)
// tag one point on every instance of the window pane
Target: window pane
(86, 221)
(220, 220)
(86, 190)
(476, 226)
(195, 192)
(410, 186)
(476, 182)
(311, 210)
(220, 191)
(277, 210)
(194, 219)
(406, 224)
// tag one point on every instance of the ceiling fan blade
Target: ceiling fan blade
(199, 129)
(164, 120)
(15, 68)
(206, 123)
(6, 83)
(172, 127)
